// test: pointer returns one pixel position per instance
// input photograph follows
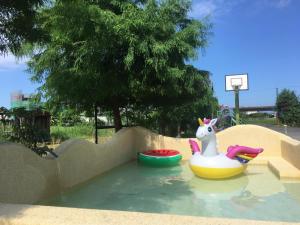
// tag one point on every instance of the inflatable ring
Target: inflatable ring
(160, 157)
(215, 167)
(209, 163)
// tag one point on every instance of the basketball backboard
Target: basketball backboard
(239, 80)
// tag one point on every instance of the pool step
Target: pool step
(259, 161)
(283, 169)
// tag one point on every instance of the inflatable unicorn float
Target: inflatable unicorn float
(211, 164)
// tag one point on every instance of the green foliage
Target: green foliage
(261, 121)
(118, 53)
(65, 116)
(17, 19)
(174, 120)
(3, 136)
(4, 117)
(84, 131)
(288, 107)
(58, 135)
(260, 115)
(25, 130)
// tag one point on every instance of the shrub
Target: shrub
(58, 136)
(25, 130)
(288, 107)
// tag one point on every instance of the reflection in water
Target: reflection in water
(246, 200)
(262, 182)
(218, 189)
(257, 194)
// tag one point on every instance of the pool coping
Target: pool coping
(17, 214)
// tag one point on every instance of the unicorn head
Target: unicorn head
(207, 135)
(206, 129)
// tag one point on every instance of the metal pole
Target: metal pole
(96, 124)
(276, 112)
(237, 105)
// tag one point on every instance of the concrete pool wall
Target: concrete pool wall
(27, 178)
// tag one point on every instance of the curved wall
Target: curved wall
(254, 136)
(27, 178)
(24, 176)
(81, 160)
(248, 135)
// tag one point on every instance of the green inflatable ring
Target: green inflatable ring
(160, 157)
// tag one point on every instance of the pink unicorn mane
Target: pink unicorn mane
(206, 121)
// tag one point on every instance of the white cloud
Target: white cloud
(282, 3)
(216, 8)
(279, 4)
(10, 62)
(203, 8)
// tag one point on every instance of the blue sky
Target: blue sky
(259, 37)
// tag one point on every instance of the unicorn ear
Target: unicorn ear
(213, 122)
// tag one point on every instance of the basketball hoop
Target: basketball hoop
(236, 82)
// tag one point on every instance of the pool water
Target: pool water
(258, 194)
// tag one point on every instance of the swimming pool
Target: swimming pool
(257, 195)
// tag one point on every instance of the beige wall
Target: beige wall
(146, 140)
(27, 178)
(24, 176)
(291, 152)
(81, 160)
(248, 135)
(254, 136)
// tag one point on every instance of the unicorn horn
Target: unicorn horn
(200, 122)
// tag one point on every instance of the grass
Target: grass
(261, 121)
(84, 131)
(4, 135)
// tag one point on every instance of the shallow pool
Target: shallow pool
(257, 195)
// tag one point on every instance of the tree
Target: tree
(288, 107)
(4, 116)
(27, 131)
(172, 119)
(17, 23)
(116, 53)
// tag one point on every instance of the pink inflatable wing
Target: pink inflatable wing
(233, 151)
(194, 146)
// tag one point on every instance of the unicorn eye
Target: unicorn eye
(209, 129)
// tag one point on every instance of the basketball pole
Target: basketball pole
(236, 82)
(237, 104)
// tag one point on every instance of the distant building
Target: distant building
(20, 100)
(251, 112)
(39, 117)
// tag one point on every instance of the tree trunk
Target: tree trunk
(162, 128)
(117, 118)
(178, 131)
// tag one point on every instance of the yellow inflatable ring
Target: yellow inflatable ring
(215, 167)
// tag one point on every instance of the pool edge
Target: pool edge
(16, 214)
